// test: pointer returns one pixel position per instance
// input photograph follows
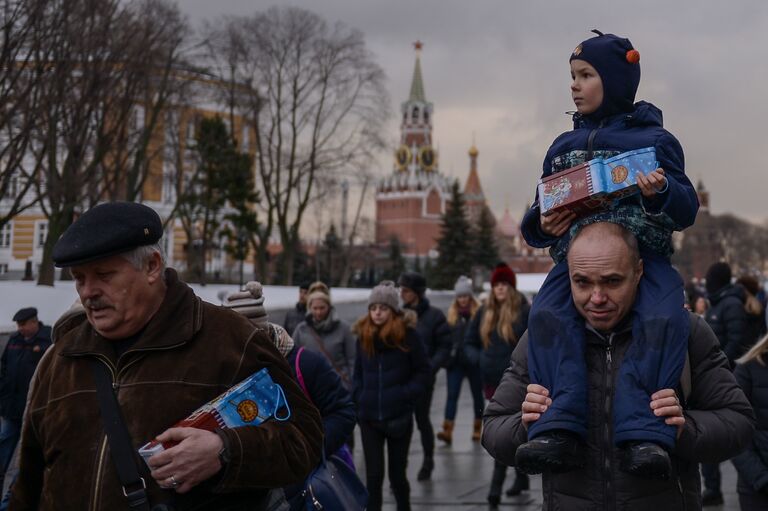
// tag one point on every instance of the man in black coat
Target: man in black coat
(436, 336)
(710, 414)
(728, 319)
(20, 357)
(298, 314)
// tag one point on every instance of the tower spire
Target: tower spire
(417, 83)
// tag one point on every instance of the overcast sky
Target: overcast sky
(499, 69)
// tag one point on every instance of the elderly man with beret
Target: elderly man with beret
(167, 352)
(24, 350)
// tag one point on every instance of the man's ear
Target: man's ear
(639, 269)
(154, 268)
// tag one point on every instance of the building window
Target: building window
(191, 126)
(245, 142)
(42, 232)
(415, 114)
(5, 236)
(3, 268)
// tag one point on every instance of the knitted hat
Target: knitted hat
(318, 291)
(280, 338)
(249, 303)
(305, 285)
(718, 276)
(385, 293)
(413, 281)
(463, 286)
(503, 273)
(618, 65)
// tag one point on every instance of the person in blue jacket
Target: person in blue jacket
(23, 352)
(605, 73)
(392, 373)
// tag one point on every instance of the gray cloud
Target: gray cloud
(499, 69)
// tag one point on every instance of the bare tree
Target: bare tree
(101, 61)
(316, 100)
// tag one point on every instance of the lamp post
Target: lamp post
(242, 238)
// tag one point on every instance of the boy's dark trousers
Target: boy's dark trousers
(374, 435)
(654, 361)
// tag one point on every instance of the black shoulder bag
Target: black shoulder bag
(134, 486)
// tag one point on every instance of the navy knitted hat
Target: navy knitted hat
(618, 65)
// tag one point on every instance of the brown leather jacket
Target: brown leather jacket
(189, 352)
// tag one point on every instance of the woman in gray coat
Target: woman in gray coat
(323, 332)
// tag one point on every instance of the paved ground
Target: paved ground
(463, 471)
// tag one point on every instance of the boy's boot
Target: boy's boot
(477, 429)
(646, 459)
(497, 482)
(521, 483)
(446, 435)
(555, 451)
(425, 472)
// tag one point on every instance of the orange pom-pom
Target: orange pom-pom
(633, 56)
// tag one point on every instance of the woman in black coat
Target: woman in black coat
(752, 465)
(490, 339)
(391, 374)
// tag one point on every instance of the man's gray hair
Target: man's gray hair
(139, 255)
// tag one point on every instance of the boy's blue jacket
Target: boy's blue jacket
(590, 138)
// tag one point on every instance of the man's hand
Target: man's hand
(557, 223)
(536, 403)
(651, 184)
(665, 403)
(192, 461)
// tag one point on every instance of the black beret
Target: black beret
(25, 314)
(106, 230)
(413, 281)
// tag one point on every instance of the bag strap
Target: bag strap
(299, 376)
(321, 345)
(120, 446)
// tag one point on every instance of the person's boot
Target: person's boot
(477, 429)
(425, 472)
(497, 482)
(646, 459)
(711, 498)
(521, 484)
(446, 435)
(555, 451)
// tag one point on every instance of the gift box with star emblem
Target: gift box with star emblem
(597, 184)
(249, 403)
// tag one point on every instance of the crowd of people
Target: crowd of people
(605, 384)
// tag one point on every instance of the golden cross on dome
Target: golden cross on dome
(418, 45)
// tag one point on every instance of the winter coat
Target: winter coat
(752, 464)
(719, 424)
(331, 399)
(434, 332)
(333, 338)
(494, 359)
(294, 316)
(17, 366)
(189, 353)
(728, 319)
(388, 384)
(651, 220)
(458, 334)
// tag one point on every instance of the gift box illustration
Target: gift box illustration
(249, 403)
(596, 184)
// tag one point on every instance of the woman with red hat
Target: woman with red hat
(490, 339)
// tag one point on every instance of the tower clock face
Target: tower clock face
(402, 157)
(428, 158)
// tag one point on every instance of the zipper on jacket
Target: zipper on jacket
(591, 140)
(99, 467)
(381, 415)
(608, 420)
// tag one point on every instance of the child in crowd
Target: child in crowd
(605, 74)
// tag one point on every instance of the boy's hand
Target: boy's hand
(536, 403)
(665, 403)
(652, 184)
(557, 223)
